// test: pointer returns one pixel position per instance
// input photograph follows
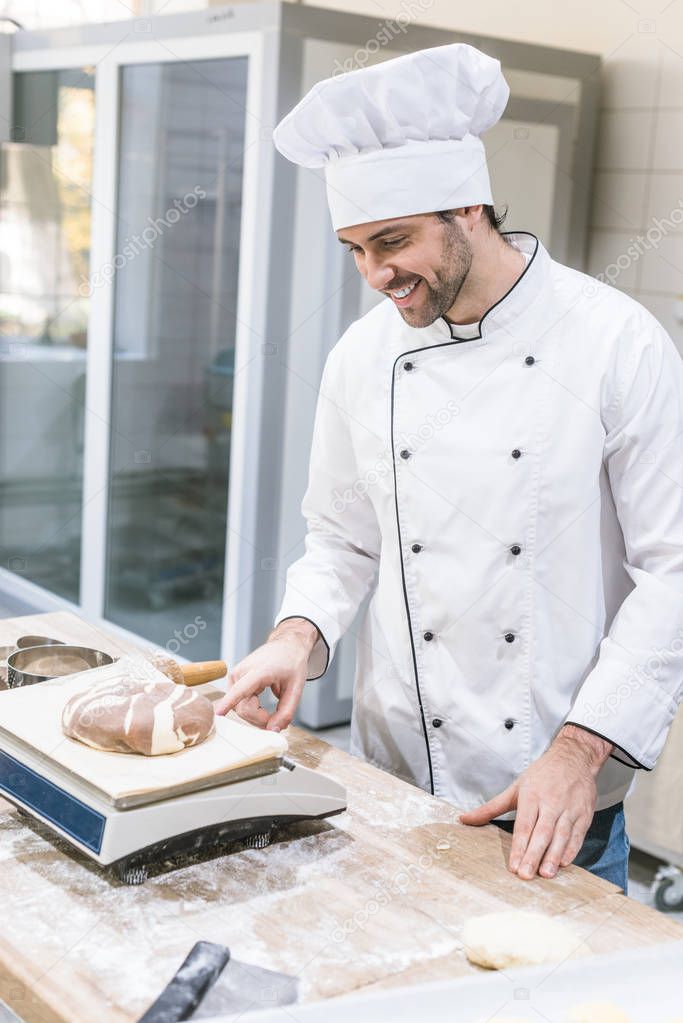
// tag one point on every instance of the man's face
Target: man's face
(423, 251)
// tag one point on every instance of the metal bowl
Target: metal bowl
(40, 663)
(27, 641)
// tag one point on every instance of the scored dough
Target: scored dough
(138, 716)
(517, 938)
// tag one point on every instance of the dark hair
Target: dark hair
(495, 220)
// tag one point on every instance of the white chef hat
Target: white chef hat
(400, 137)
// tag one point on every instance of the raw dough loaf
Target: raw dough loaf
(517, 938)
(138, 716)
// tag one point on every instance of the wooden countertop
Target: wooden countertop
(373, 898)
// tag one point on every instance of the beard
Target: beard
(456, 259)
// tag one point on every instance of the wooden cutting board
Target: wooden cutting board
(33, 715)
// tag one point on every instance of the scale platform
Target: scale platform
(129, 811)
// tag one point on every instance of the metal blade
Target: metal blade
(243, 987)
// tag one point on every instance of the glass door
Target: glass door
(180, 168)
(45, 216)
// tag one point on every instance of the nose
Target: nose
(377, 273)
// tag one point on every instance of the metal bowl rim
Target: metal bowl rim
(64, 647)
(52, 642)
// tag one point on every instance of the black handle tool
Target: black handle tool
(182, 995)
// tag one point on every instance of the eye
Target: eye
(394, 241)
(352, 248)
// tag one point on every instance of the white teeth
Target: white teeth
(404, 291)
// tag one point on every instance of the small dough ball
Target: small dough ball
(138, 716)
(598, 1012)
(517, 938)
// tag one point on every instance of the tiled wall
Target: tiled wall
(637, 213)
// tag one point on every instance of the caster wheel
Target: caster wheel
(258, 841)
(132, 875)
(669, 896)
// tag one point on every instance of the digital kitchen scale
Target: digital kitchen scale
(129, 811)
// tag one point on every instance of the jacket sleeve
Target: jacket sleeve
(329, 582)
(631, 695)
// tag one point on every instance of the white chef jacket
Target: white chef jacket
(514, 501)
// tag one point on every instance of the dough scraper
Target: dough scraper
(211, 984)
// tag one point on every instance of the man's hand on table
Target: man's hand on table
(555, 801)
(280, 664)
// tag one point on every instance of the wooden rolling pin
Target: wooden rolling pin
(188, 674)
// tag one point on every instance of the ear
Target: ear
(474, 213)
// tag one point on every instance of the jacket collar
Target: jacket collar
(514, 303)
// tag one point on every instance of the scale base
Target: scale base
(255, 834)
(137, 838)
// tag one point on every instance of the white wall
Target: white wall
(638, 199)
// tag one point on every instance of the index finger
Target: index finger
(250, 684)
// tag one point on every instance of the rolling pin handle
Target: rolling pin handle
(203, 671)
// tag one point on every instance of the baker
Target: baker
(498, 457)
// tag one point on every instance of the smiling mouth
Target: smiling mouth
(404, 292)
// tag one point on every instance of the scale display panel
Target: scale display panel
(69, 814)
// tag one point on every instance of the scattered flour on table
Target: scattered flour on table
(415, 808)
(77, 919)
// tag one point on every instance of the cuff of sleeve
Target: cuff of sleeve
(319, 657)
(627, 710)
(626, 759)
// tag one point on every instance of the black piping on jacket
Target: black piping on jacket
(454, 340)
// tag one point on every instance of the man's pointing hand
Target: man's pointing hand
(280, 665)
